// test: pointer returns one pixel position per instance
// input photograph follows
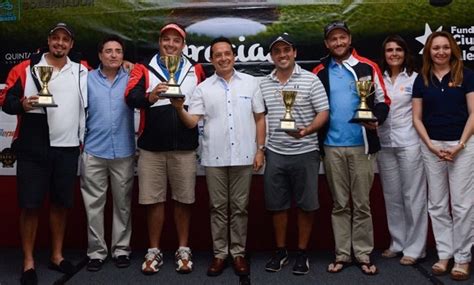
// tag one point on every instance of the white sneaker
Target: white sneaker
(153, 262)
(183, 257)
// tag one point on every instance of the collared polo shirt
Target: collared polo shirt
(398, 129)
(64, 121)
(445, 110)
(343, 100)
(229, 136)
(110, 126)
(310, 100)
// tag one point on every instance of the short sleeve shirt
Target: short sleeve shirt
(229, 135)
(310, 100)
(444, 105)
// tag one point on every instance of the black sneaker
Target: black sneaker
(95, 264)
(122, 261)
(302, 264)
(278, 260)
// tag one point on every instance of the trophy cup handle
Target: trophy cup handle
(35, 70)
(372, 86)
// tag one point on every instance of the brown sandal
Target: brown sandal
(368, 264)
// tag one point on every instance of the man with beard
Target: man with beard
(47, 143)
(231, 106)
(349, 149)
(167, 147)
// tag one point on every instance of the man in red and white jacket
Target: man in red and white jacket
(167, 147)
(46, 143)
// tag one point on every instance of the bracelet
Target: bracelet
(462, 144)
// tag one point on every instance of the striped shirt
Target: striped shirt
(310, 100)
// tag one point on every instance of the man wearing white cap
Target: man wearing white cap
(167, 147)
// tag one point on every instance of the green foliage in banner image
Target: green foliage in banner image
(369, 18)
(139, 21)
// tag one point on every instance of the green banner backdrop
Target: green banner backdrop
(24, 26)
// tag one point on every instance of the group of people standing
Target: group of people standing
(421, 140)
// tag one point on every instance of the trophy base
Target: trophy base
(45, 101)
(44, 105)
(172, 95)
(363, 116)
(287, 126)
(286, 130)
(172, 92)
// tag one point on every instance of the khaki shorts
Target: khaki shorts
(157, 168)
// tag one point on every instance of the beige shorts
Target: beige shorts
(157, 168)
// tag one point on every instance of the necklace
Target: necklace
(436, 78)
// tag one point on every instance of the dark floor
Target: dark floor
(391, 272)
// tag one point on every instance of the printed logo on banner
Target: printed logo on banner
(464, 36)
(232, 28)
(42, 4)
(7, 157)
(422, 39)
(13, 57)
(9, 10)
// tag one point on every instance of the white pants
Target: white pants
(451, 180)
(404, 189)
(95, 173)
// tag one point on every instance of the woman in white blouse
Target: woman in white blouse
(400, 162)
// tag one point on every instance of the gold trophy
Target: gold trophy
(288, 124)
(363, 112)
(45, 97)
(172, 62)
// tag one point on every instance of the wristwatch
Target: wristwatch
(462, 144)
(261, 147)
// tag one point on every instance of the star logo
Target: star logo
(422, 39)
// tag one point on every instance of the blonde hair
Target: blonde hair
(455, 62)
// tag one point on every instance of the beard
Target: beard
(342, 56)
(58, 54)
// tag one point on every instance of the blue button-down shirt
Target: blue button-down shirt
(110, 126)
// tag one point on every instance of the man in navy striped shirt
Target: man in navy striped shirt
(292, 157)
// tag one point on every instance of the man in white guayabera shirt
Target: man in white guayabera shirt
(231, 106)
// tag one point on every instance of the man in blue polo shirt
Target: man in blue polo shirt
(349, 149)
(109, 152)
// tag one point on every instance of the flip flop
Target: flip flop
(368, 264)
(343, 264)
